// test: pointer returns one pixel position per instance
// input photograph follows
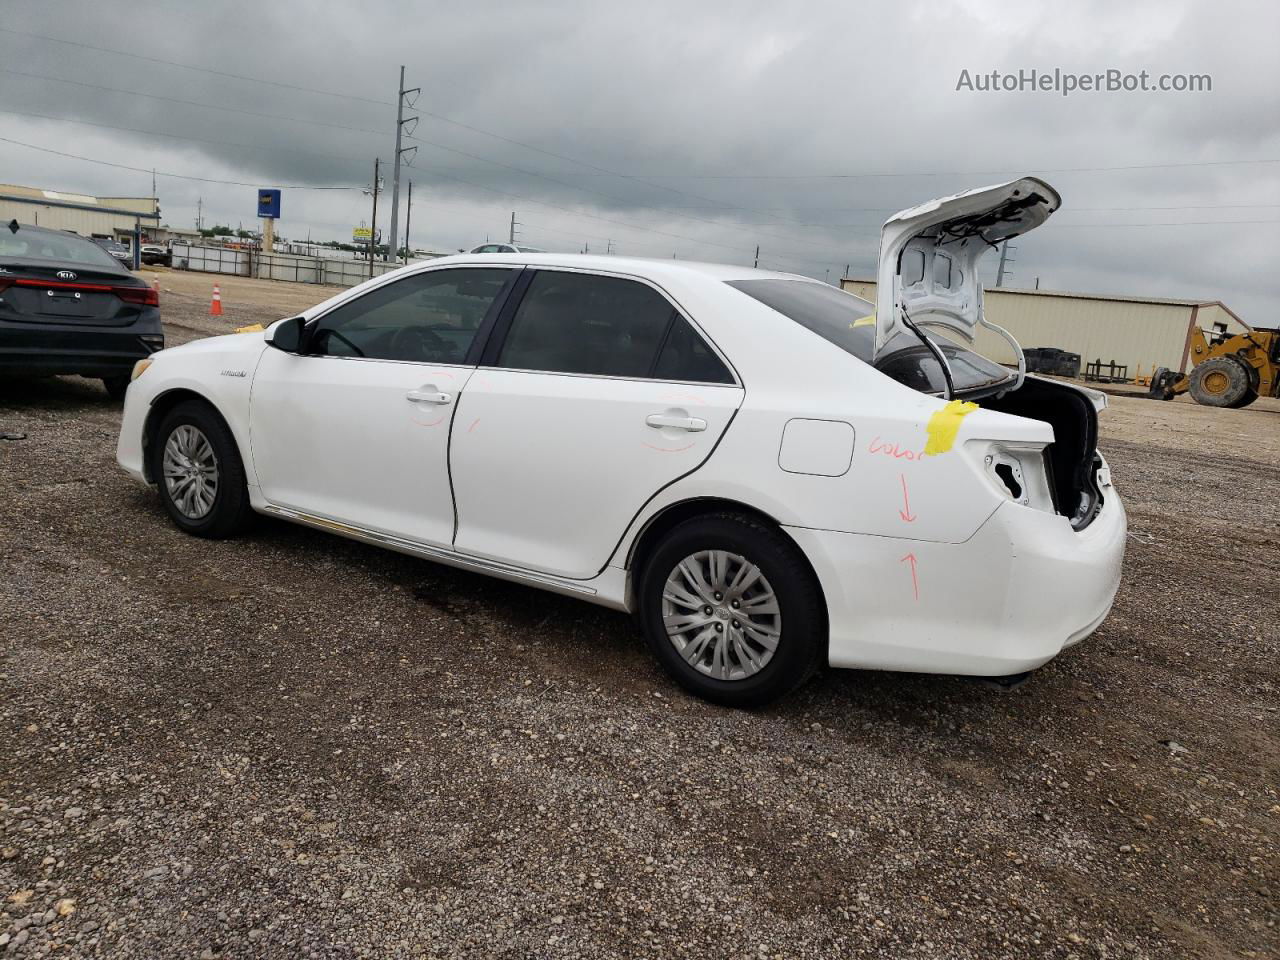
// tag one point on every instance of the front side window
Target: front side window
(580, 323)
(427, 318)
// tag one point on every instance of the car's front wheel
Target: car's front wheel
(732, 610)
(198, 471)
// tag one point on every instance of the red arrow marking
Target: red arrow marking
(905, 513)
(915, 582)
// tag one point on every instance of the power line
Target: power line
(194, 103)
(175, 176)
(601, 171)
(189, 103)
(239, 183)
(338, 126)
(947, 173)
(1171, 223)
(187, 66)
(435, 116)
(815, 224)
(173, 136)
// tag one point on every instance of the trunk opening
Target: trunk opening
(1072, 459)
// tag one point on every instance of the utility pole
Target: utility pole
(393, 249)
(757, 263)
(408, 213)
(511, 234)
(200, 213)
(609, 247)
(373, 226)
(1001, 271)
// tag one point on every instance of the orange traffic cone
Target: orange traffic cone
(215, 305)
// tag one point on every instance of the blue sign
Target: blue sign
(269, 204)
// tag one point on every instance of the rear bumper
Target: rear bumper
(91, 352)
(1005, 601)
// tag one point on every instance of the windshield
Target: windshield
(49, 245)
(849, 323)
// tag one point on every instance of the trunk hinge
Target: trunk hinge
(936, 351)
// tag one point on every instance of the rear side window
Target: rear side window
(579, 323)
(832, 314)
(686, 356)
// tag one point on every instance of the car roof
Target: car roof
(652, 268)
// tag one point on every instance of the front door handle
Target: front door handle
(692, 424)
(427, 396)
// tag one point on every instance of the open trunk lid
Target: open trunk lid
(929, 255)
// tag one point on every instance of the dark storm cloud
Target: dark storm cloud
(672, 94)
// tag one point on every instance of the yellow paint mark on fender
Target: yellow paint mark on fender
(251, 328)
(945, 424)
(868, 321)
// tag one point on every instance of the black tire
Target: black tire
(230, 512)
(1220, 382)
(116, 387)
(1250, 395)
(802, 627)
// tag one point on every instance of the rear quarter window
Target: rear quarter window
(832, 314)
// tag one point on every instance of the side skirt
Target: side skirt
(573, 588)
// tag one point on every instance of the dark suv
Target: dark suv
(67, 306)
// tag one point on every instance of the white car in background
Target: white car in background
(506, 248)
(769, 472)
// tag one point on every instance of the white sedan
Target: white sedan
(770, 473)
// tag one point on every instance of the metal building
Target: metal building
(1141, 333)
(114, 218)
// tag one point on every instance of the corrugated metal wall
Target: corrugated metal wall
(84, 222)
(1131, 332)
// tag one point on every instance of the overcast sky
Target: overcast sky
(691, 129)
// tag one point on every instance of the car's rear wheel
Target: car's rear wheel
(116, 386)
(732, 610)
(198, 471)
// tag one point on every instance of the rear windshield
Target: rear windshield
(42, 245)
(830, 313)
(912, 364)
(848, 322)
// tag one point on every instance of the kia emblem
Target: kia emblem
(66, 275)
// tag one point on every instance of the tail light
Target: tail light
(143, 296)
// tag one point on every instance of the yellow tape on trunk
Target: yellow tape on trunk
(945, 424)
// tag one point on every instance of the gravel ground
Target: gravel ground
(291, 745)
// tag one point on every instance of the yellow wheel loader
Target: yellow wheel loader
(1228, 370)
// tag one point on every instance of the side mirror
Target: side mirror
(289, 335)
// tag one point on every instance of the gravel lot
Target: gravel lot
(291, 745)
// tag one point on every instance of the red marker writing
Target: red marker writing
(915, 582)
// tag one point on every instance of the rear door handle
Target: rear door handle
(692, 424)
(427, 396)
